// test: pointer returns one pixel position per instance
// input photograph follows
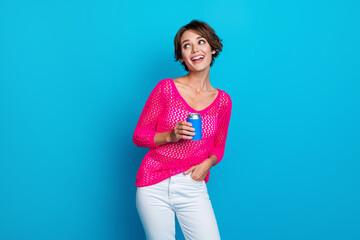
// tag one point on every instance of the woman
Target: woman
(173, 174)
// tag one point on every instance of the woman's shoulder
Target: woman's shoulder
(164, 81)
(226, 99)
(160, 84)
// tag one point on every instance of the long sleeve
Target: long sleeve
(145, 129)
(221, 134)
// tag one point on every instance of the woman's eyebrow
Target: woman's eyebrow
(188, 39)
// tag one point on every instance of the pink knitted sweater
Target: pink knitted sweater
(163, 109)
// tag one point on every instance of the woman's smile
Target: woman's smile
(198, 59)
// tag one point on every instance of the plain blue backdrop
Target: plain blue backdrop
(75, 75)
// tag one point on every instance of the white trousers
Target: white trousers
(180, 194)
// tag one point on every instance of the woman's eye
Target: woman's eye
(185, 46)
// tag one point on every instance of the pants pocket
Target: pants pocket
(192, 180)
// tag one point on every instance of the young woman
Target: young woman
(173, 174)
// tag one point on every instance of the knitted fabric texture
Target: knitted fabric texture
(163, 109)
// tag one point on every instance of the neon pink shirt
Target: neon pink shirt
(163, 109)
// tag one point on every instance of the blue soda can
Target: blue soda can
(195, 120)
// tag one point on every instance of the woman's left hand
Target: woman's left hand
(200, 170)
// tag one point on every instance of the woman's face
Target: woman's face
(193, 45)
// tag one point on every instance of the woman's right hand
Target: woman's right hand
(181, 131)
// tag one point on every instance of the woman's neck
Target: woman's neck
(199, 81)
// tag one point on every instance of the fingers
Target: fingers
(183, 130)
(185, 126)
(189, 170)
(186, 132)
(196, 176)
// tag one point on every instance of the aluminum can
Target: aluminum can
(195, 120)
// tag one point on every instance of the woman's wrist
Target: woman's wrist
(162, 138)
(212, 159)
(168, 137)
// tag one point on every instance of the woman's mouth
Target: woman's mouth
(198, 59)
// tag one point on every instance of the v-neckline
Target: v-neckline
(187, 105)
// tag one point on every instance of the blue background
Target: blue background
(75, 75)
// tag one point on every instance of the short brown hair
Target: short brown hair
(204, 30)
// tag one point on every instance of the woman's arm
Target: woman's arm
(145, 131)
(221, 134)
(162, 138)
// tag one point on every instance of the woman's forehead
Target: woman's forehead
(190, 34)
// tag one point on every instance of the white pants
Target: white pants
(180, 194)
